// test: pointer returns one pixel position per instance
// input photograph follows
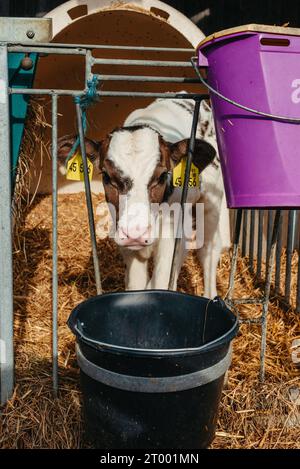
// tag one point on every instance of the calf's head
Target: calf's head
(135, 164)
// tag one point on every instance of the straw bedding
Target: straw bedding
(251, 415)
(33, 143)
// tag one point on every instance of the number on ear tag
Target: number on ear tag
(75, 171)
(179, 172)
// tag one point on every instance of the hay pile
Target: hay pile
(33, 143)
(251, 415)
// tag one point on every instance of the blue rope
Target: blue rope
(85, 101)
(90, 96)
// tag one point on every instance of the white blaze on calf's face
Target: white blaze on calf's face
(135, 154)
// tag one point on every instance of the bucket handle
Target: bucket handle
(293, 120)
(216, 300)
(153, 384)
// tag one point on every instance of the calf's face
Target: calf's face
(135, 164)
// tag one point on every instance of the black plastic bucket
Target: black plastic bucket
(152, 367)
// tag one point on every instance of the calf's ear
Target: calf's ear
(65, 144)
(204, 153)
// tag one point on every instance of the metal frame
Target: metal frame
(6, 274)
(274, 244)
(272, 236)
(6, 267)
(260, 232)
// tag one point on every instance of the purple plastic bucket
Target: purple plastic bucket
(260, 156)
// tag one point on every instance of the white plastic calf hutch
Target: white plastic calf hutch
(141, 23)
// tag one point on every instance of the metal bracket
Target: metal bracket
(25, 29)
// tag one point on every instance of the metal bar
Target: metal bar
(234, 215)
(54, 249)
(189, 160)
(144, 78)
(245, 230)
(88, 67)
(298, 275)
(289, 253)
(269, 269)
(237, 231)
(6, 265)
(46, 50)
(46, 91)
(249, 301)
(251, 241)
(15, 47)
(89, 203)
(278, 256)
(259, 243)
(250, 321)
(119, 94)
(269, 236)
(142, 63)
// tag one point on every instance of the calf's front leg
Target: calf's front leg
(209, 256)
(162, 265)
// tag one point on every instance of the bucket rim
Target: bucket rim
(133, 351)
(252, 28)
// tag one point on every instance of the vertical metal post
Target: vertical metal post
(54, 249)
(89, 200)
(234, 215)
(278, 256)
(251, 240)
(6, 266)
(184, 192)
(259, 243)
(298, 276)
(269, 237)
(236, 239)
(88, 66)
(289, 253)
(245, 230)
(265, 306)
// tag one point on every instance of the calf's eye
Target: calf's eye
(105, 177)
(162, 178)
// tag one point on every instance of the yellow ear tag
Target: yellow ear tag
(179, 172)
(75, 170)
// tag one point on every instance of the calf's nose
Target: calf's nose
(135, 235)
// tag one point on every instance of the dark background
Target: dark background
(214, 14)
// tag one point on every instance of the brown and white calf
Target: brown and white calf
(136, 161)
